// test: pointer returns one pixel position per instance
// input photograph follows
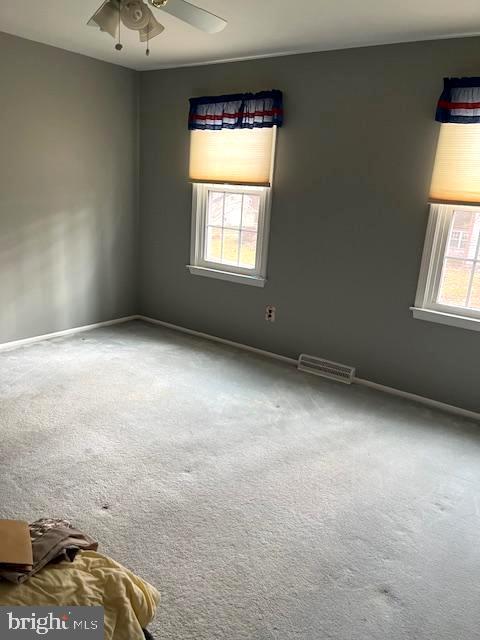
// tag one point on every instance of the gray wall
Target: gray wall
(68, 189)
(349, 213)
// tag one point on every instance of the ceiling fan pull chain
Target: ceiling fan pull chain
(119, 45)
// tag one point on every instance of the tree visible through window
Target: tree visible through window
(232, 228)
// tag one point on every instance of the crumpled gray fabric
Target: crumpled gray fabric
(53, 540)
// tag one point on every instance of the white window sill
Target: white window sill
(254, 281)
(464, 322)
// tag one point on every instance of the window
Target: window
(458, 240)
(232, 150)
(230, 232)
(231, 171)
(449, 286)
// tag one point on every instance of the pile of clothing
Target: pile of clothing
(93, 579)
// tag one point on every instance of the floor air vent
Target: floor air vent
(326, 368)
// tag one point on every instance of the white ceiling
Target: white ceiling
(256, 28)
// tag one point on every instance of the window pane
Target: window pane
(455, 282)
(464, 234)
(214, 244)
(475, 294)
(215, 208)
(251, 208)
(230, 246)
(248, 249)
(233, 210)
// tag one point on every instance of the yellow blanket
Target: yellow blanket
(91, 580)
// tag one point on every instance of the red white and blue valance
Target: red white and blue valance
(238, 111)
(460, 101)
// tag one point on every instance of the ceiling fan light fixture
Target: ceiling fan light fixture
(106, 18)
(158, 4)
(135, 14)
(152, 30)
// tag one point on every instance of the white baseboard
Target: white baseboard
(230, 343)
(434, 404)
(7, 346)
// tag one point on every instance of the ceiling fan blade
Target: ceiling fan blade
(153, 29)
(193, 15)
(106, 18)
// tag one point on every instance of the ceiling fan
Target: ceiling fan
(138, 16)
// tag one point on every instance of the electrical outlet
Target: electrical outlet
(270, 313)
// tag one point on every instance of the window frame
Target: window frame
(426, 305)
(199, 265)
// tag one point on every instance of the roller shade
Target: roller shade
(456, 175)
(232, 156)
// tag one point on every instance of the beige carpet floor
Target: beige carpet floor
(263, 503)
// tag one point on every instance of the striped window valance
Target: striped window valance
(238, 111)
(460, 101)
